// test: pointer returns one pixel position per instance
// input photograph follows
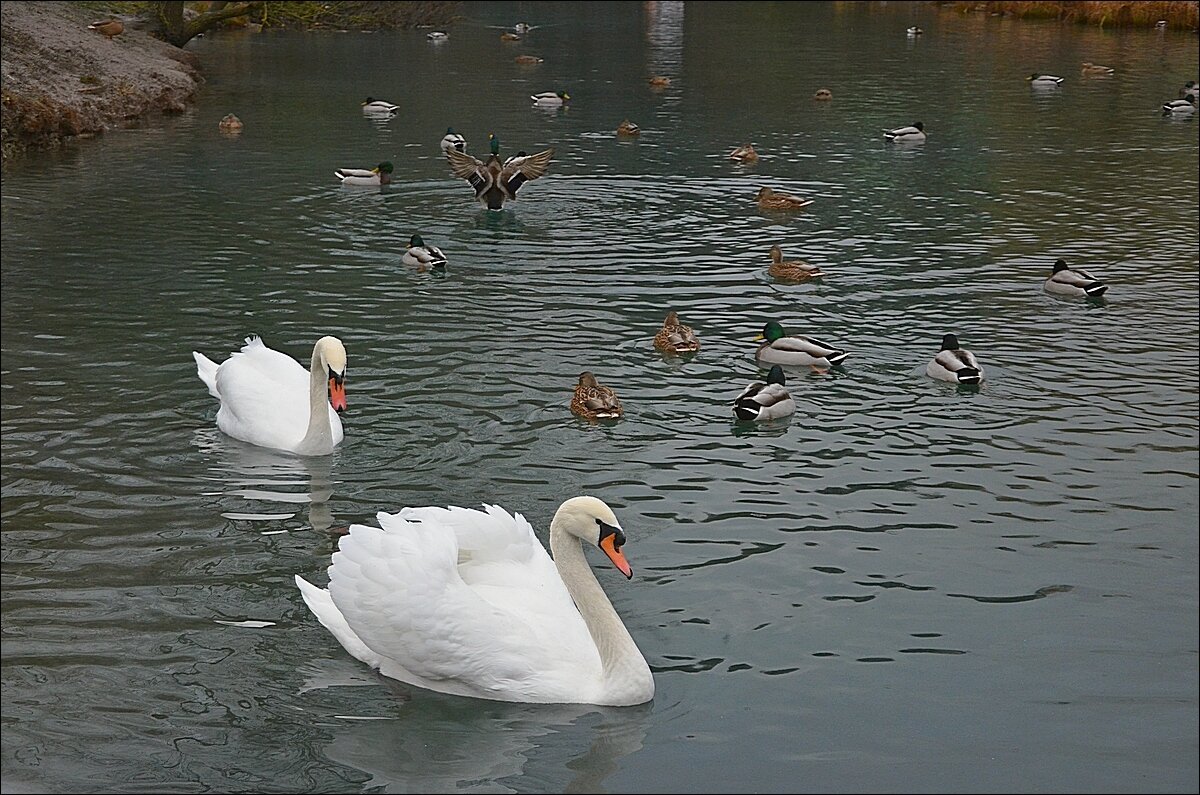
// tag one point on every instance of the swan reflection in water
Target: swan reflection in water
(262, 476)
(470, 745)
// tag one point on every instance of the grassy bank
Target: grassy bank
(318, 15)
(1178, 14)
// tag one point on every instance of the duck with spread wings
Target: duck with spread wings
(494, 181)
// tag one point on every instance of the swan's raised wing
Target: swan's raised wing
(521, 170)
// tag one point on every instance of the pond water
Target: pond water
(905, 587)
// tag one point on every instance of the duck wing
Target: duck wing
(471, 169)
(520, 171)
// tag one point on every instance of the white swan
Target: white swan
(267, 397)
(467, 602)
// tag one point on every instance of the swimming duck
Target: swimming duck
(452, 140)
(230, 123)
(770, 200)
(744, 154)
(1181, 107)
(506, 36)
(550, 99)
(911, 134)
(660, 81)
(437, 35)
(516, 159)
(1073, 281)
(779, 348)
(823, 95)
(422, 256)
(1091, 69)
(493, 181)
(528, 59)
(593, 401)
(675, 337)
(380, 175)
(1190, 89)
(628, 128)
(791, 270)
(954, 364)
(765, 401)
(523, 27)
(109, 27)
(1039, 80)
(377, 107)
(915, 31)
(467, 602)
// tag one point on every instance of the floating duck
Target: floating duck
(230, 124)
(377, 107)
(380, 175)
(914, 133)
(744, 154)
(1179, 107)
(593, 401)
(823, 95)
(509, 37)
(1043, 81)
(954, 364)
(1095, 70)
(660, 81)
(915, 31)
(516, 159)
(528, 59)
(628, 128)
(523, 27)
(1074, 282)
(467, 602)
(109, 27)
(493, 181)
(437, 35)
(765, 401)
(791, 270)
(550, 99)
(675, 337)
(770, 200)
(452, 140)
(797, 350)
(422, 256)
(1190, 89)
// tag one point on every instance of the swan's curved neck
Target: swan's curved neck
(623, 664)
(320, 434)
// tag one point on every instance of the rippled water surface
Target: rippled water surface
(905, 587)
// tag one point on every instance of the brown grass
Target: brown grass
(1179, 14)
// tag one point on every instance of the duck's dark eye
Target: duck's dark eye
(607, 530)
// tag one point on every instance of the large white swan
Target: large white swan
(269, 399)
(467, 602)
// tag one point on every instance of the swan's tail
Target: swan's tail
(320, 602)
(206, 368)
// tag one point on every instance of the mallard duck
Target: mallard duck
(437, 35)
(509, 37)
(380, 175)
(765, 401)
(516, 159)
(1190, 89)
(423, 257)
(494, 182)
(1073, 281)
(770, 200)
(660, 81)
(550, 99)
(674, 337)
(911, 134)
(779, 348)
(915, 31)
(792, 270)
(377, 107)
(1040, 80)
(628, 128)
(523, 27)
(593, 401)
(452, 140)
(744, 154)
(109, 27)
(1095, 70)
(954, 364)
(1180, 107)
(823, 95)
(528, 59)
(230, 123)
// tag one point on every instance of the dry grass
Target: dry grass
(1179, 14)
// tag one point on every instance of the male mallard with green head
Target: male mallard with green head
(494, 181)
(779, 348)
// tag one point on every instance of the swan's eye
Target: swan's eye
(607, 530)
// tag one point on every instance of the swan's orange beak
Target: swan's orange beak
(609, 545)
(337, 393)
